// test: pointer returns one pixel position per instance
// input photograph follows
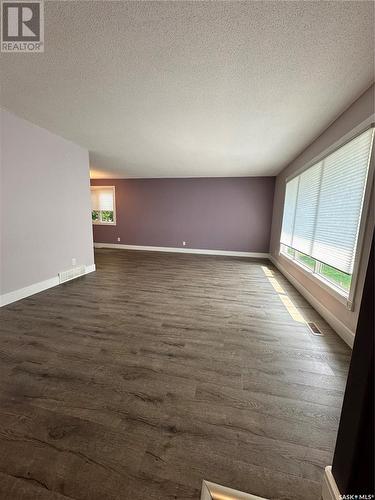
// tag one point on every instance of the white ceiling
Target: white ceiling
(157, 89)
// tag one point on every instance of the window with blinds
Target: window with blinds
(103, 204)
(323, 208)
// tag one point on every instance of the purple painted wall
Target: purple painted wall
(208, 213)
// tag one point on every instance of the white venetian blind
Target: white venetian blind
(102, 198)
(323, 205)
(289, 211)
(340, 205)
(305, 214)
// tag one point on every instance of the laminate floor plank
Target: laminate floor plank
(160, 370)
(24, 488)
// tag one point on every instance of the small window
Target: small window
(103, 205)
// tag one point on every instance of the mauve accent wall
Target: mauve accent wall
(231, 213)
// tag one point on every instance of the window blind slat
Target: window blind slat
(289, 211)
(106, 199)
(340, 204)
(102, 199)
(306, 209)
(323, 205)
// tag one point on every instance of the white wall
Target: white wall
(44, 206)
(357, 116)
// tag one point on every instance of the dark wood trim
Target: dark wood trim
(353, 462)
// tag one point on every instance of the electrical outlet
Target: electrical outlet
(184, 243)
(119, 239)
(74, 261)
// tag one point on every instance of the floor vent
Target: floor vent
(70, 274)
(314, 329)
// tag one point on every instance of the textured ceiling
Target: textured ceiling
(192, 88)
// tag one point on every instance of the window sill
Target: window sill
(103, 223)
(336, 292)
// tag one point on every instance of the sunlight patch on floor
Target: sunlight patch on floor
(288, 303)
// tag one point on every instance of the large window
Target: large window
(103, 205)
(322, 212)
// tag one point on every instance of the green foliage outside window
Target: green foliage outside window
(103, 216)
(107, 216)
(305, 260)
(339, 278)
(329, 273)
(95, 215)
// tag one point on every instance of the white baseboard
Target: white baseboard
(342, 330)
(330, 490)
(183, 250)
(90, 269)
(22, 293)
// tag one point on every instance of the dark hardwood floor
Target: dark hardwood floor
(160, 370)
